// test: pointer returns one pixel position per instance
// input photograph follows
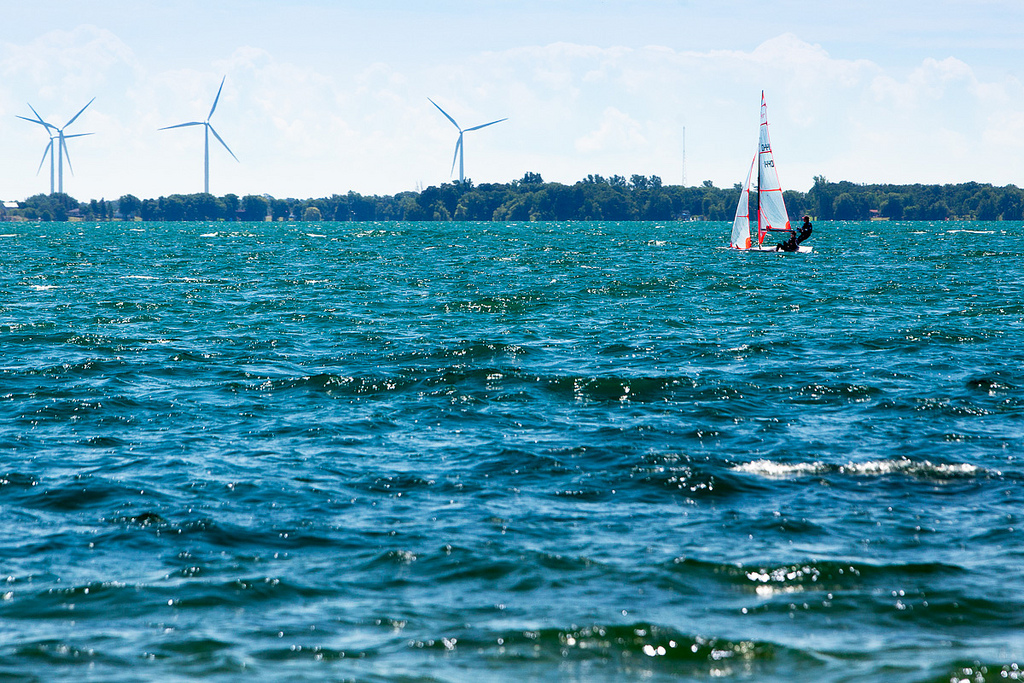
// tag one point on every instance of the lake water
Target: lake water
(489, 452)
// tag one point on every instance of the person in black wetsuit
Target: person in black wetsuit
(789, 245)
(805, 230)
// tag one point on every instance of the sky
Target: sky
(331, 96)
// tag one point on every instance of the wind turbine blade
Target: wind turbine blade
(64, 147)
(221, 140)
(458, 146)
(78, 135)
(34, 111)
(487, 124)
(48, 150)
(38, 119)
(217, 99)
(41, 123)
(445, 114)
(79, 113)
(182, 125)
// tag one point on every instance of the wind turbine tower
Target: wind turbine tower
(209, 129)
(62, 147)
(458, 145)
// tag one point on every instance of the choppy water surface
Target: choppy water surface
(463, 451)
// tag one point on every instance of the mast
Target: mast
(760, 167)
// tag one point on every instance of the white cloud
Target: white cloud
(616, 132)
(307, 121)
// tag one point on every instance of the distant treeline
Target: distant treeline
(532, 199)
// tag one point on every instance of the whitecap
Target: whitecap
(870, 468)
(780, 470)
(922, 468)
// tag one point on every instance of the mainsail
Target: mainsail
(771, 209)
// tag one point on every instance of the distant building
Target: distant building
(5, 210)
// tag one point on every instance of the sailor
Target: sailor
(805, 230)
(789, 245)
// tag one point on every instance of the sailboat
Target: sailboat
(771, 209)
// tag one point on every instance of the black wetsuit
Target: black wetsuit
(805, 232)
(792, 244)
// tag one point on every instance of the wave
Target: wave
(634, 650)
(922, 469)
(975, 670)
(819, 574)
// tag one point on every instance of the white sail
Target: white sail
(771, 209)
(740, 238)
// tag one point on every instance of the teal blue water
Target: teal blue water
(488, 452)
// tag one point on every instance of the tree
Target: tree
(987, 210)
(530, 198)
(48, 207)
(796, 204)
(203, 206)
(129, 205)
(938, 211)
(173, 207)
(150, 210)
(892, 207)
(231, 205)
(360, 208)
(659, 208)
(255, 207)
(311, 214)
(822, 198)
(1011, 204)
(441, 212)
(845, 208)
(279, 209)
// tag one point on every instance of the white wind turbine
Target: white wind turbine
(458, 145)
(62, 147)
(209, 129)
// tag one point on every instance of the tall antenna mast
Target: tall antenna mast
(684, 156)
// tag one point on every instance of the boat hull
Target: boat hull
(770, 249)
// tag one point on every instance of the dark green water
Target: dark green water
(539, 452)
